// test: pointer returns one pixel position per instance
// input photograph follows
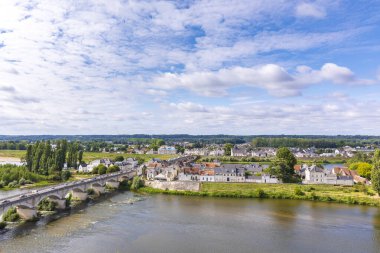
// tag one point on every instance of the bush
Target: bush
(21, 181)
(95, 170)
(2, 224)
(136, 183)
(13, 184)
(102, 169)
(46, 205)
(54, 177)
(11, 215)
(113, 168)
(298, 191)
(260, 193)
(119, 158)
(90, 191)
(65, 175)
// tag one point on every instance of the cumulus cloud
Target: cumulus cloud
(104, 66)
(273, 78)
(310, 10)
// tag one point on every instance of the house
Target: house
(264, 179)
(207, 175)
(85, 168)
(230, 173)
(188, 177)
(167, 150)
(238, 152)
(316, 175)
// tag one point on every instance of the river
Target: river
(162, 223)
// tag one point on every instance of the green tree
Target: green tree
(119, 158)
(375, 175)
(136, 183)
(227, 148)
(363, 169)
(102, 169)
(113, 168)
(283, 165)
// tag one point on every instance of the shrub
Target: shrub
(65, 175)
(136, 183)
(11, 215)
(102, 169)
(2, 224)
(298, 191)
(47, 205)
(260, 193)
(90, 191)
(113, 168)
(21, 181)
(95, 170)
(13, 184)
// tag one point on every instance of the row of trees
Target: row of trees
(13, 145)
(277, 142)
(43, 159)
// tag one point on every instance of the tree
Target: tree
(119, 158)
(363, 169)
(136, 183)
(180, 149)
(283, 165)
(102, 169)
(113, 168)
(227, 148)
(285, 155)
(375, 175)
(80, 156)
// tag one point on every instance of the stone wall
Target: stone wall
(174, 185)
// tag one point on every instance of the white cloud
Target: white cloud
(310, 10)
(271, 77)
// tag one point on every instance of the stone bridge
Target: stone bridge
(26, 203)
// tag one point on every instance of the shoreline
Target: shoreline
(291, 191)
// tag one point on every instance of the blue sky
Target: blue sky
(196, 67)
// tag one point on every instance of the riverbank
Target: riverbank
(358, 194)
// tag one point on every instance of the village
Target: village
(216, 171)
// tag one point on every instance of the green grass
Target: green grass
(12, 153)
(89, 156)
(360, 195)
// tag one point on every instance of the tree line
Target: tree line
(45, 159)
(305, 142)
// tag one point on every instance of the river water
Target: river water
(162, 223)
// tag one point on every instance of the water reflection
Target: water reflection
(163, 223)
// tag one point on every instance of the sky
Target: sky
(241, 67)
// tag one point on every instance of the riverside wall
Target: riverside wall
(174, 185)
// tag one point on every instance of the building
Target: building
(317, 175)
(167, 150)
(230, 173)
(238, 152)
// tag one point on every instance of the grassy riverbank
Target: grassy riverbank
(359, 194)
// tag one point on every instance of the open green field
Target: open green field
(358, 194)
(89, 156)
(12, 153)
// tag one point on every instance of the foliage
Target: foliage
(364, 169)
(3, 224)
(47, 205)
(113, 168)
(119, 158)
(136, 183)
(90, 191)
(102, 169)
(283, 165)
(65, 175)
(375, 174)
(180, 149)
(11, 215)
(227, 149)
(17, 175)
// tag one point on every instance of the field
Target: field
(358, 194)
(87, 156)
(12, 154)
